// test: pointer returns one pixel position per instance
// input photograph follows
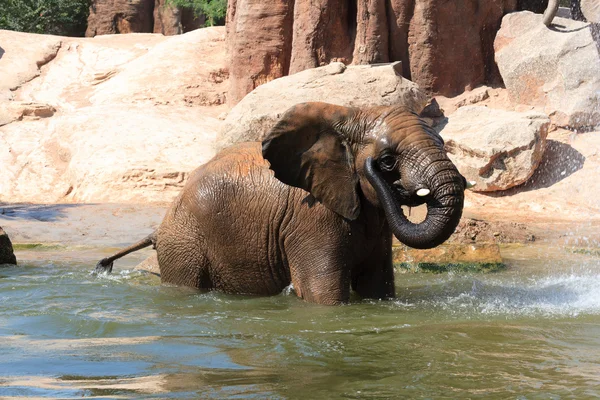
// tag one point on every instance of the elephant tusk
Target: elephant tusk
(423, 192)
(470, 184)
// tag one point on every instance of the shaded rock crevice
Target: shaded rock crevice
(7, 256)
(140, 16)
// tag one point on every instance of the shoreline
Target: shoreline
(85, 233)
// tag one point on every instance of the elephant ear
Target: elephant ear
(309, 149)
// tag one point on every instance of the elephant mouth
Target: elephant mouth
(405, 198)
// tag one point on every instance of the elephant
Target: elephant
(580, 10)
(314, 205)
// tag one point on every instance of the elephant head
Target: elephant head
(383, 155)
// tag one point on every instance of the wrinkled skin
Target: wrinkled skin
(314, 205)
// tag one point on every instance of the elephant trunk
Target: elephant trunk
(550, 12)
(444, 208)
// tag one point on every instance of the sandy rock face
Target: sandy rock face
(6, 250)
(497, 149)
(554, 69)
(77, 69)
(23, 57)
(186, 69)
(358, 86)
(445, 46)
(104, 154)
(108, 119)
(591, 10)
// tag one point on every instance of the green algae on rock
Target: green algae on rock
(449, 257)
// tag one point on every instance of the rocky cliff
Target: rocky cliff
(139, 16)
(445, 46)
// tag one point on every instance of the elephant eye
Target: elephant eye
(387, 162)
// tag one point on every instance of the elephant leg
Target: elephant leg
(191, 269)
(321, 276)
(182, 259)
(374, 278)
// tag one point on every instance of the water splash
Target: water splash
(563, 295)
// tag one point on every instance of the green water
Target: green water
(530, 332)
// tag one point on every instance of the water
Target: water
(531, 332)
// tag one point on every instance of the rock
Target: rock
(24, 54)
(497, 149)
(450, 43)
(482, 94)
(79, 68)
(268, 40)
(109, 118)
(172, 20)
(11, 111)
(259, 40)
(172, 72)
(477, 231)
(448, 257)
(167, 18)
(133, 69)
(7, 255)
(120, 16)
(474, 96)
(554, 69)
(320, 34)
(591, 10)
(111, 153)
(358, 86)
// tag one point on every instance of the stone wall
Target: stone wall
(445, 46)
(142, 16)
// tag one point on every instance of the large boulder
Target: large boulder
(495, 148)
(112, 153)
(445, 46)
(359, 86)
(108, 118)
(188, 69)
(22, 57)
(554, 69)
(72, 69)
(7, 256)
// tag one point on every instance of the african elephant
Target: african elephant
(590, 9)
(314, 205)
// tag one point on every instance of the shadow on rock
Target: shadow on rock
(558, 162)
(563, 29)
(38, 212)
